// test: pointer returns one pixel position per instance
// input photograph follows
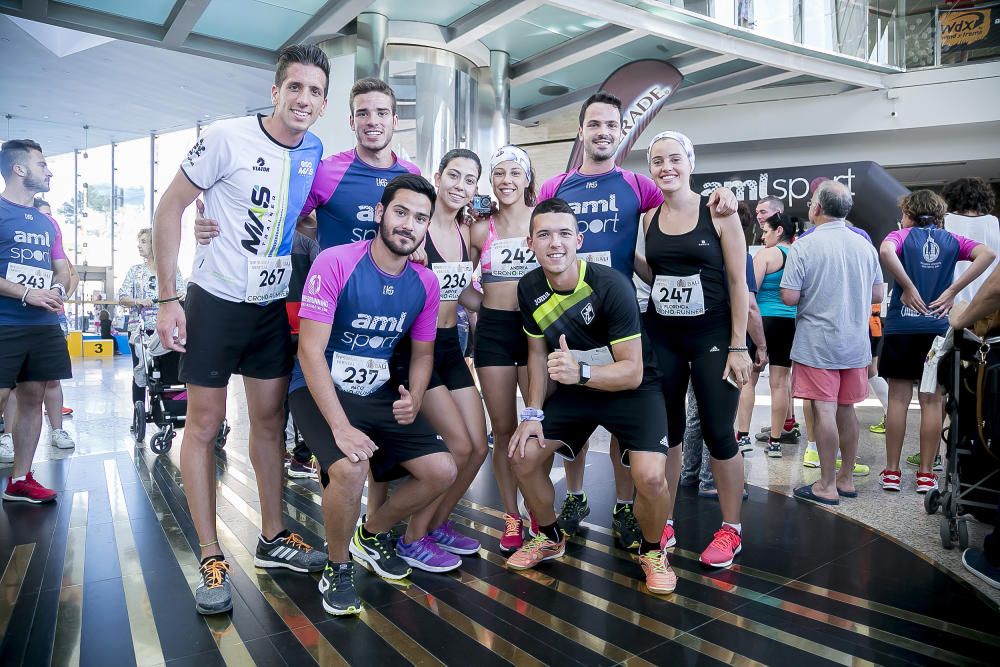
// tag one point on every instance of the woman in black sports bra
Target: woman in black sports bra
(697, 319)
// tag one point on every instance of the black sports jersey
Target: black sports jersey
(598, 313)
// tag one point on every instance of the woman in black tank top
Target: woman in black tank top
(697, 319)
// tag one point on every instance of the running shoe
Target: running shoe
(786, 437)
(890, 479)
(28, 490)
(61, 439)
(860, 469)
(879, 427)
(575, 509)
(538, 549)
(669, 537)
(300, 470)
(425, 554)
(6, 448)
(289, 551)
(914, 460)
(660, 578)
(380, 553)
(926, 481)
(66, 412)
(796, 429)
(744, 444)
(513, 537)
(625, 527)
(975, 562)
(810, 459)
(449, 539)
(774, 449)
(340, 597)
(213, 595)
(532, 525)
(723, 548)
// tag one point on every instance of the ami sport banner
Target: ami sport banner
(876, 192)
(643, 87)
(972, 28)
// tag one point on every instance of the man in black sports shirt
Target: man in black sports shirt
(586, 343)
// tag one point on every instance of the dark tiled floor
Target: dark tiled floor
(113, 560)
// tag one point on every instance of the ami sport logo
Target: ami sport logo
(375, 331)
(24, 254)
(596, 215)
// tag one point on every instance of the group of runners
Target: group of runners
(376, 379)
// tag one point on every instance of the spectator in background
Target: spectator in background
(921, 257)
(970, 205)
(833, 277)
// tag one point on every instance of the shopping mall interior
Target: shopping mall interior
(885, 96)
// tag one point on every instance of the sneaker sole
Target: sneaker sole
(23, 499)
(6, 461)
(458, 551)
(528, 567)
(348, 611)
(774, 455)
(929, 488)
(728, 562)
(980, 575)
(211, 612)
(810, 465)
(413, 562)
(373, 564)
(890, 487)
(73, 446)
(302, 475)
(271, 564)
(661, 590)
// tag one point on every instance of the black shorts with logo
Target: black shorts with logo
(500, 339)
(227, 337)
(36, 353)
(637, 418)
(372, 415)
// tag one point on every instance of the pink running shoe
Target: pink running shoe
(723, 548)
(512, 538)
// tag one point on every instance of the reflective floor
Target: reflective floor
(105, 576)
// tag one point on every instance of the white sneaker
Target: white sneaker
(6, 448)
(60, 438)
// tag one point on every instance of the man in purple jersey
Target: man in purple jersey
(34, 276)
(360, 300)
(608, 202)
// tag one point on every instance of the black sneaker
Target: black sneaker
(786, 437)
(626, 527)
(774, 449)
(380, 553)
(213, 595)
(340, 597)
(975, 562)
(575, 509)
(289, 551)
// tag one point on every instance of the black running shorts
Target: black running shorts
(227, 337)
(500, 339)
(372, 415)
(637, 418)
(903, 355)
(36, 353)
(450, 368)
(779, 333)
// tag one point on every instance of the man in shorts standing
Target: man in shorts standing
(832, 276)
(34, 276)
(585, 340)
(360, 300)
(255, 173)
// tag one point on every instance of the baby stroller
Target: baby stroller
(970, 374)
(166, 398)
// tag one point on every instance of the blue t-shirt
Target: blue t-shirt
(29, 241)
(608, 209)
(344, 196)
(370, 312)
(929, 256)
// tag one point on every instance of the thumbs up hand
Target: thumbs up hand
(405, 409)
(563, 367)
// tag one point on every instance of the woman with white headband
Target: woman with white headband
(499, 244)
(697, 320)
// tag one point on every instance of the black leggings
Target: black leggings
(697, 348)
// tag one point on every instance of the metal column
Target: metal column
(372, 37)
(114, 205)
(493, 114)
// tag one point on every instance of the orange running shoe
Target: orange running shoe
(659, 577)
(539, 549)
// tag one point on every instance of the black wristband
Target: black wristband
(170, 300)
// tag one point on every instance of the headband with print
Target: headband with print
(679, 138)
(511, 153)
